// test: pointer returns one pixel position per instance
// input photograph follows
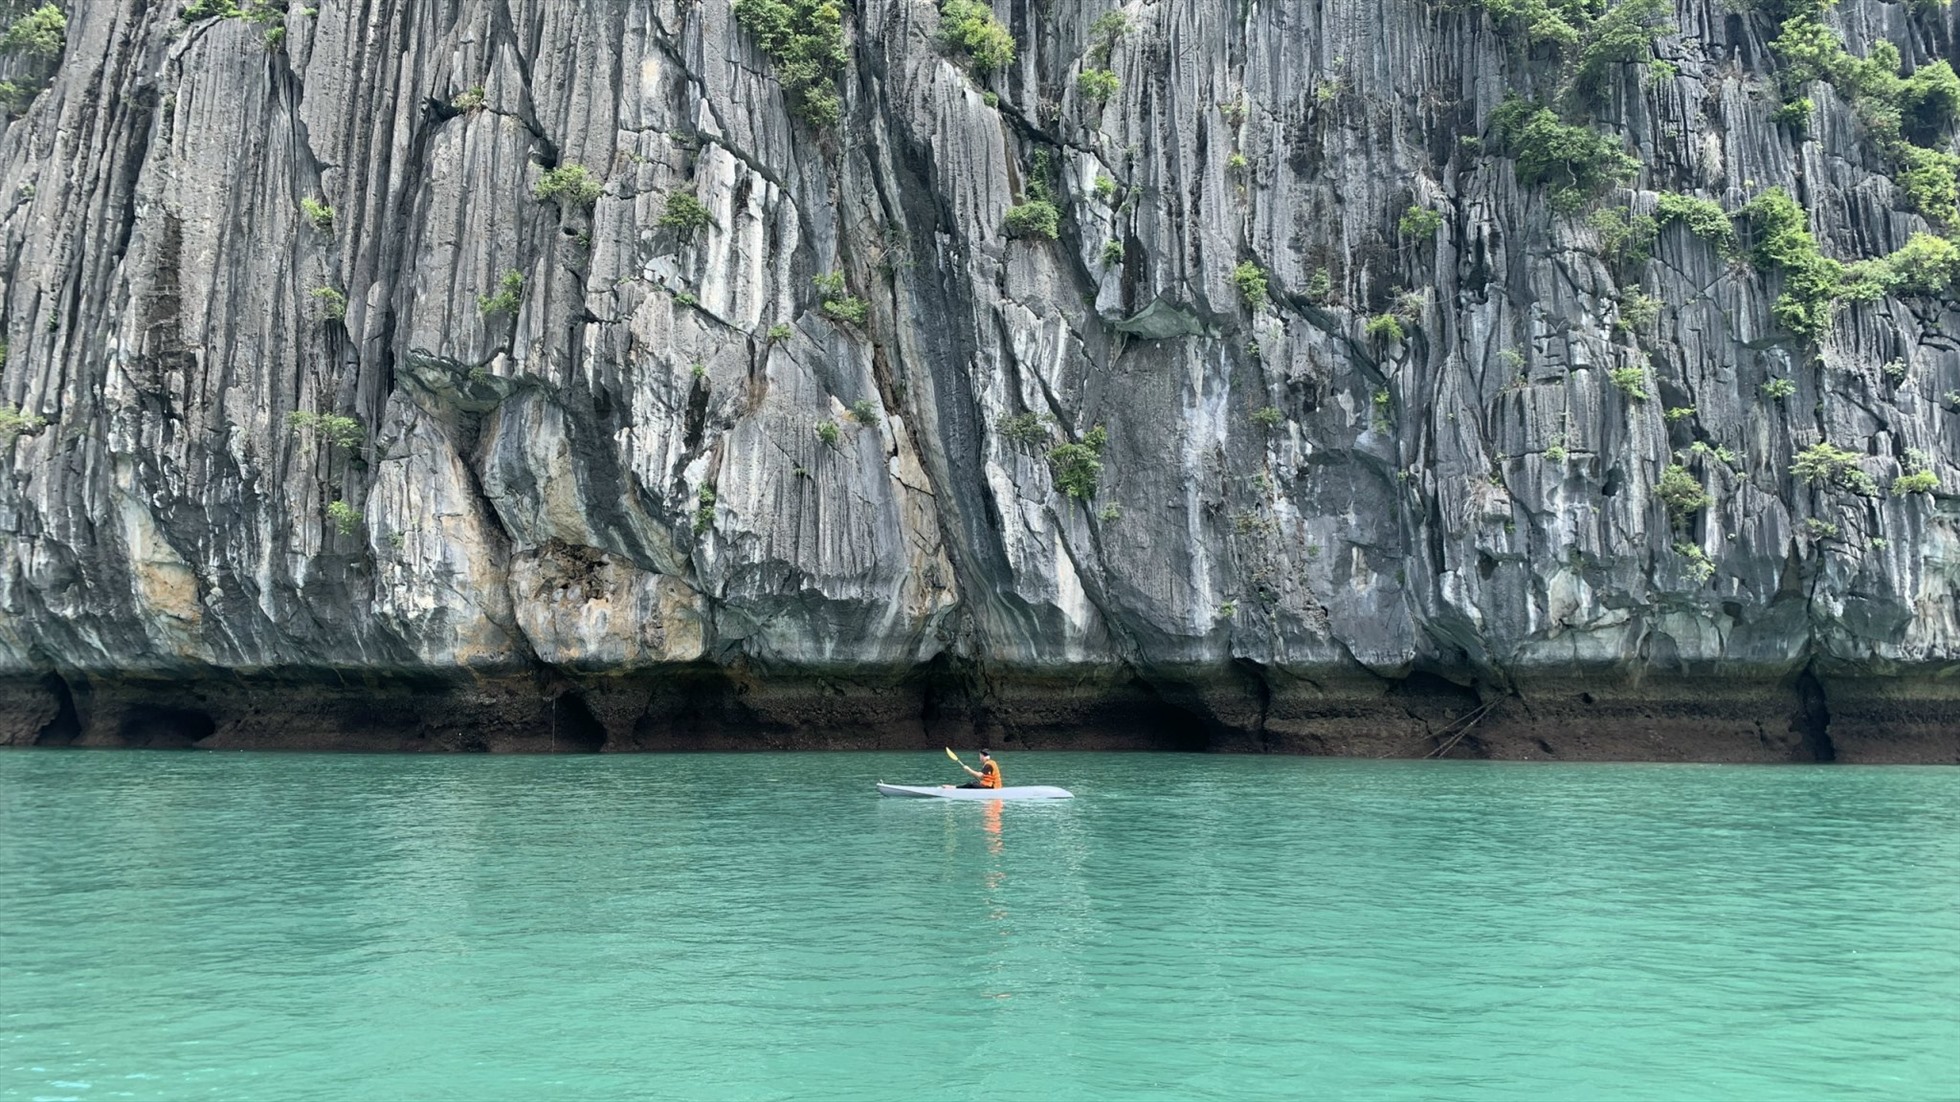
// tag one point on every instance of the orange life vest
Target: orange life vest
(989, 774)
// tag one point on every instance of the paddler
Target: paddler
(987, 776)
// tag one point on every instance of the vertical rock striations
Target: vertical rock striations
(1363, 377)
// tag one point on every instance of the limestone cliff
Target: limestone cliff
(529, 373)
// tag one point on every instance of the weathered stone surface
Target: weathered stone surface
(660, 498)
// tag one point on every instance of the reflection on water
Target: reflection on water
(764, 926)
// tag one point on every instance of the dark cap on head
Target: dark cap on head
(985, 754)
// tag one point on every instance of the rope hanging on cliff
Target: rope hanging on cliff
(1471, 717)
(1468, 720)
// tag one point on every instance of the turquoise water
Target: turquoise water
(718, 926)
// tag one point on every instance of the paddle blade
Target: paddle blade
(950, 754)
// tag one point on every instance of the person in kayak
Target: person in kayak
(987, 776)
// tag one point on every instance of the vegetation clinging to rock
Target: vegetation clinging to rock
(685, 214)
(1704, 218)
(1576, 163)
(1681, 492)
(1034, 218)
(1419, 221)
(1250, 279)
(1078, 467)
(340, 431)
(970, 27)
(15, 421)
(1623, 35)
(509, 294)
(1097, 85)
(838, 303)
(805, 39)
(1909, 117)
(569, 185)
(1824, 463)
(41, 33)
(1810, 279)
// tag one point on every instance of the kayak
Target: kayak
(933, 792)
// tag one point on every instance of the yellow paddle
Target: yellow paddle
(955, 757)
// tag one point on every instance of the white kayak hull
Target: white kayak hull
(1023, 792)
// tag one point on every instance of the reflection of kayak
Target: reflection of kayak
(1024, 792)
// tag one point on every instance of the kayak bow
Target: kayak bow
(1022, 792)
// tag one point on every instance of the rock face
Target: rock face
(452, 466)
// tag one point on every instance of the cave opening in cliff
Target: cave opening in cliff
(164, 727)
(1160, 724)
(66, 726)
(574, 729)
(1812, 723)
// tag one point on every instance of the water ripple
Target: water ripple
(247, 926)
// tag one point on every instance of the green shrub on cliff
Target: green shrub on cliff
(1781, 229)
(1026, 429)
(970, 27)
(1108, 29)
(1638, 310)
(15, 96)
(1625, 34)
(1097, 85)
(838, 303)
(685, 215)
(1419, 222)
(569, 186)
(15, 422)
(1541, 22)
(344, 517)
(1704, 218)
(1250, 279)
(1699, 567)
(1574, 163)
(1034, 218)
(1625, 238)
(1909, 117)
(41, 33)
(340, 431)
(210, 9)
(1078, 467)
(1632, 381)
(1915, 482)
(1824, 463)
(1794, 114)
(1930, 179)
(317, 212)
(1925, 265)
(1681, 492)
(1385, 328)
(1813, 283)
(805, 40)
(704, 513)
(333, 304)
(509, 295)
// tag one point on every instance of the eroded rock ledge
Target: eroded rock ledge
(1241, 709)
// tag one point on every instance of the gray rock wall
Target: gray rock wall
(609, 511)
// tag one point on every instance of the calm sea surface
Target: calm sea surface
(717, 926)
